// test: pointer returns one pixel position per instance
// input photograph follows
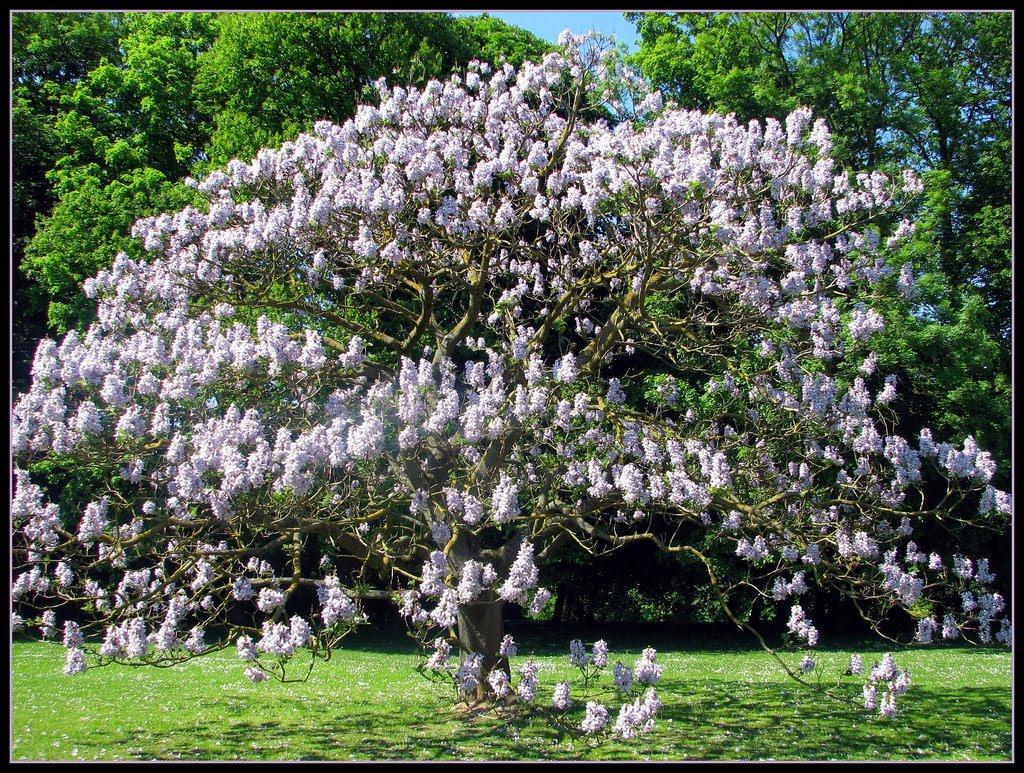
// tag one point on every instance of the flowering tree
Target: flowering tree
(476, 322)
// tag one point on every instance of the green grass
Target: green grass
(722, 700)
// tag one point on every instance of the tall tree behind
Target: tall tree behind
(121, 131)
(270, 76)
(51, 53)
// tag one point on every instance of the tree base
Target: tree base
(475, 707)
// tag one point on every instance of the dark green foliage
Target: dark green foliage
(269, 76)
(90, 224)
(496, 40)
(119, 129)
(52, 51)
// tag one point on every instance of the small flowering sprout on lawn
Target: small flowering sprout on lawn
(577, 653)
(646, 670)
(499, 682)
(590, 666)
(870, 696)
(888, 707)
(467, 676)
(596, 718)
(623, 676)
(560, 699)
(856, 667)
(637, 717)
(885, 676)
(527, 688)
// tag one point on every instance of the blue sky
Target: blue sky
(548, 24)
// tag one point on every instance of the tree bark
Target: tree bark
(556, 616)
(481, 628)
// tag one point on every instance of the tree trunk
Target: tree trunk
(481, 629)
(559, 611)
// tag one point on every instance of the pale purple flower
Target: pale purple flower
(646, 670)
(256, 674)
(856, 667)
(577, 653)
(508, 648)
(539, 601)
(439, 660)
(888, 706)
(596, 718)
(926, 628)
(269, 599)
(522, 576)
(246, 648)
(48, 626)
(75, 663)
(527, 688)
(467, 677)
(560, 699)
(195, 643)
(73, 636)
(623, 677)
(499, 683)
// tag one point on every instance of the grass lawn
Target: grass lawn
(722, 700)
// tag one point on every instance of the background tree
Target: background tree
(270, 76)
(122, 131)
(51, 52)
(436, 342)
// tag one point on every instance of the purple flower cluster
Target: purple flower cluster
(596, 718)
(637, 717)
(800, 625)
(646, 669)
(560, 700)
(887, 674)
(522, 576)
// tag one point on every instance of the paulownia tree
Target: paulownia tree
(417, 343)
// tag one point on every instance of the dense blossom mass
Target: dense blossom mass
(479, 320)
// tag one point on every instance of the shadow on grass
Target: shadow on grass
(546, 639)
(706, 719)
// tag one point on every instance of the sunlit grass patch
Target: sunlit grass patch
(722, 700)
